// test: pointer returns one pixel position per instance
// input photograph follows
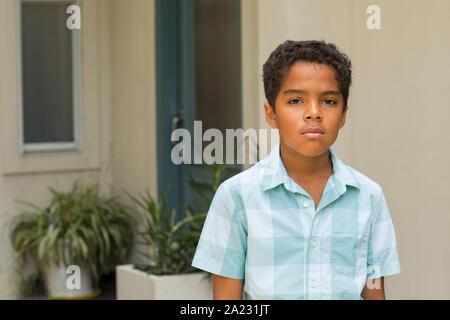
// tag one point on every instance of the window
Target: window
(50, 54)
(32, 140)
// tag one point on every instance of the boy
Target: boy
(300, 224)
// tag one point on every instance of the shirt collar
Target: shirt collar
(275, 173)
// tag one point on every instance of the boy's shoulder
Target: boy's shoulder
(366, 184)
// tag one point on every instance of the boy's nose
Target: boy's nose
(313, 110)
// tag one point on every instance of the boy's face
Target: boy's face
(308, 98)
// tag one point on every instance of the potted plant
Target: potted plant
(169, 274)
(80, 233)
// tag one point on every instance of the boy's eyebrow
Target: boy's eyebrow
(332, 92)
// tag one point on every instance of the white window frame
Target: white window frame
(76, 89)
(93, 97)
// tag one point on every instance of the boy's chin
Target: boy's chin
(310, 151)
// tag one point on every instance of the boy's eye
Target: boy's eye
(294, 101)
(330, 101)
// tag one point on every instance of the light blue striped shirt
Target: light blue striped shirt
(263, 227)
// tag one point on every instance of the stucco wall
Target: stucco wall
(133, 97)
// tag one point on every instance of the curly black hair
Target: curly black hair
(286, 54)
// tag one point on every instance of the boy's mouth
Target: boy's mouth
(312, 134)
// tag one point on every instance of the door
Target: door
(198, 65)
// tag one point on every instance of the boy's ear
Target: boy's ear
(343, 117)
(271, 117)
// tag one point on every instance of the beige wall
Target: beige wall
(31, 174)
(401, 136)
(396, 131)
(133, 97)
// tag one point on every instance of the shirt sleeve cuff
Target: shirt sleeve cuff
(209, 263)
(220, 272)
(378, 271)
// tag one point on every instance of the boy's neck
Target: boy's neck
(306, 169)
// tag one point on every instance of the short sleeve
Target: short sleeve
(223, 242)
(382, 257)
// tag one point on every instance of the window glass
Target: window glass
(47, 75)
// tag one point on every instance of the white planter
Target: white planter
(71, 282)
(59, 284)
(133, 284)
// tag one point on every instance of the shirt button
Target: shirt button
(313, 243)
(313, 284)
(306, 204)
